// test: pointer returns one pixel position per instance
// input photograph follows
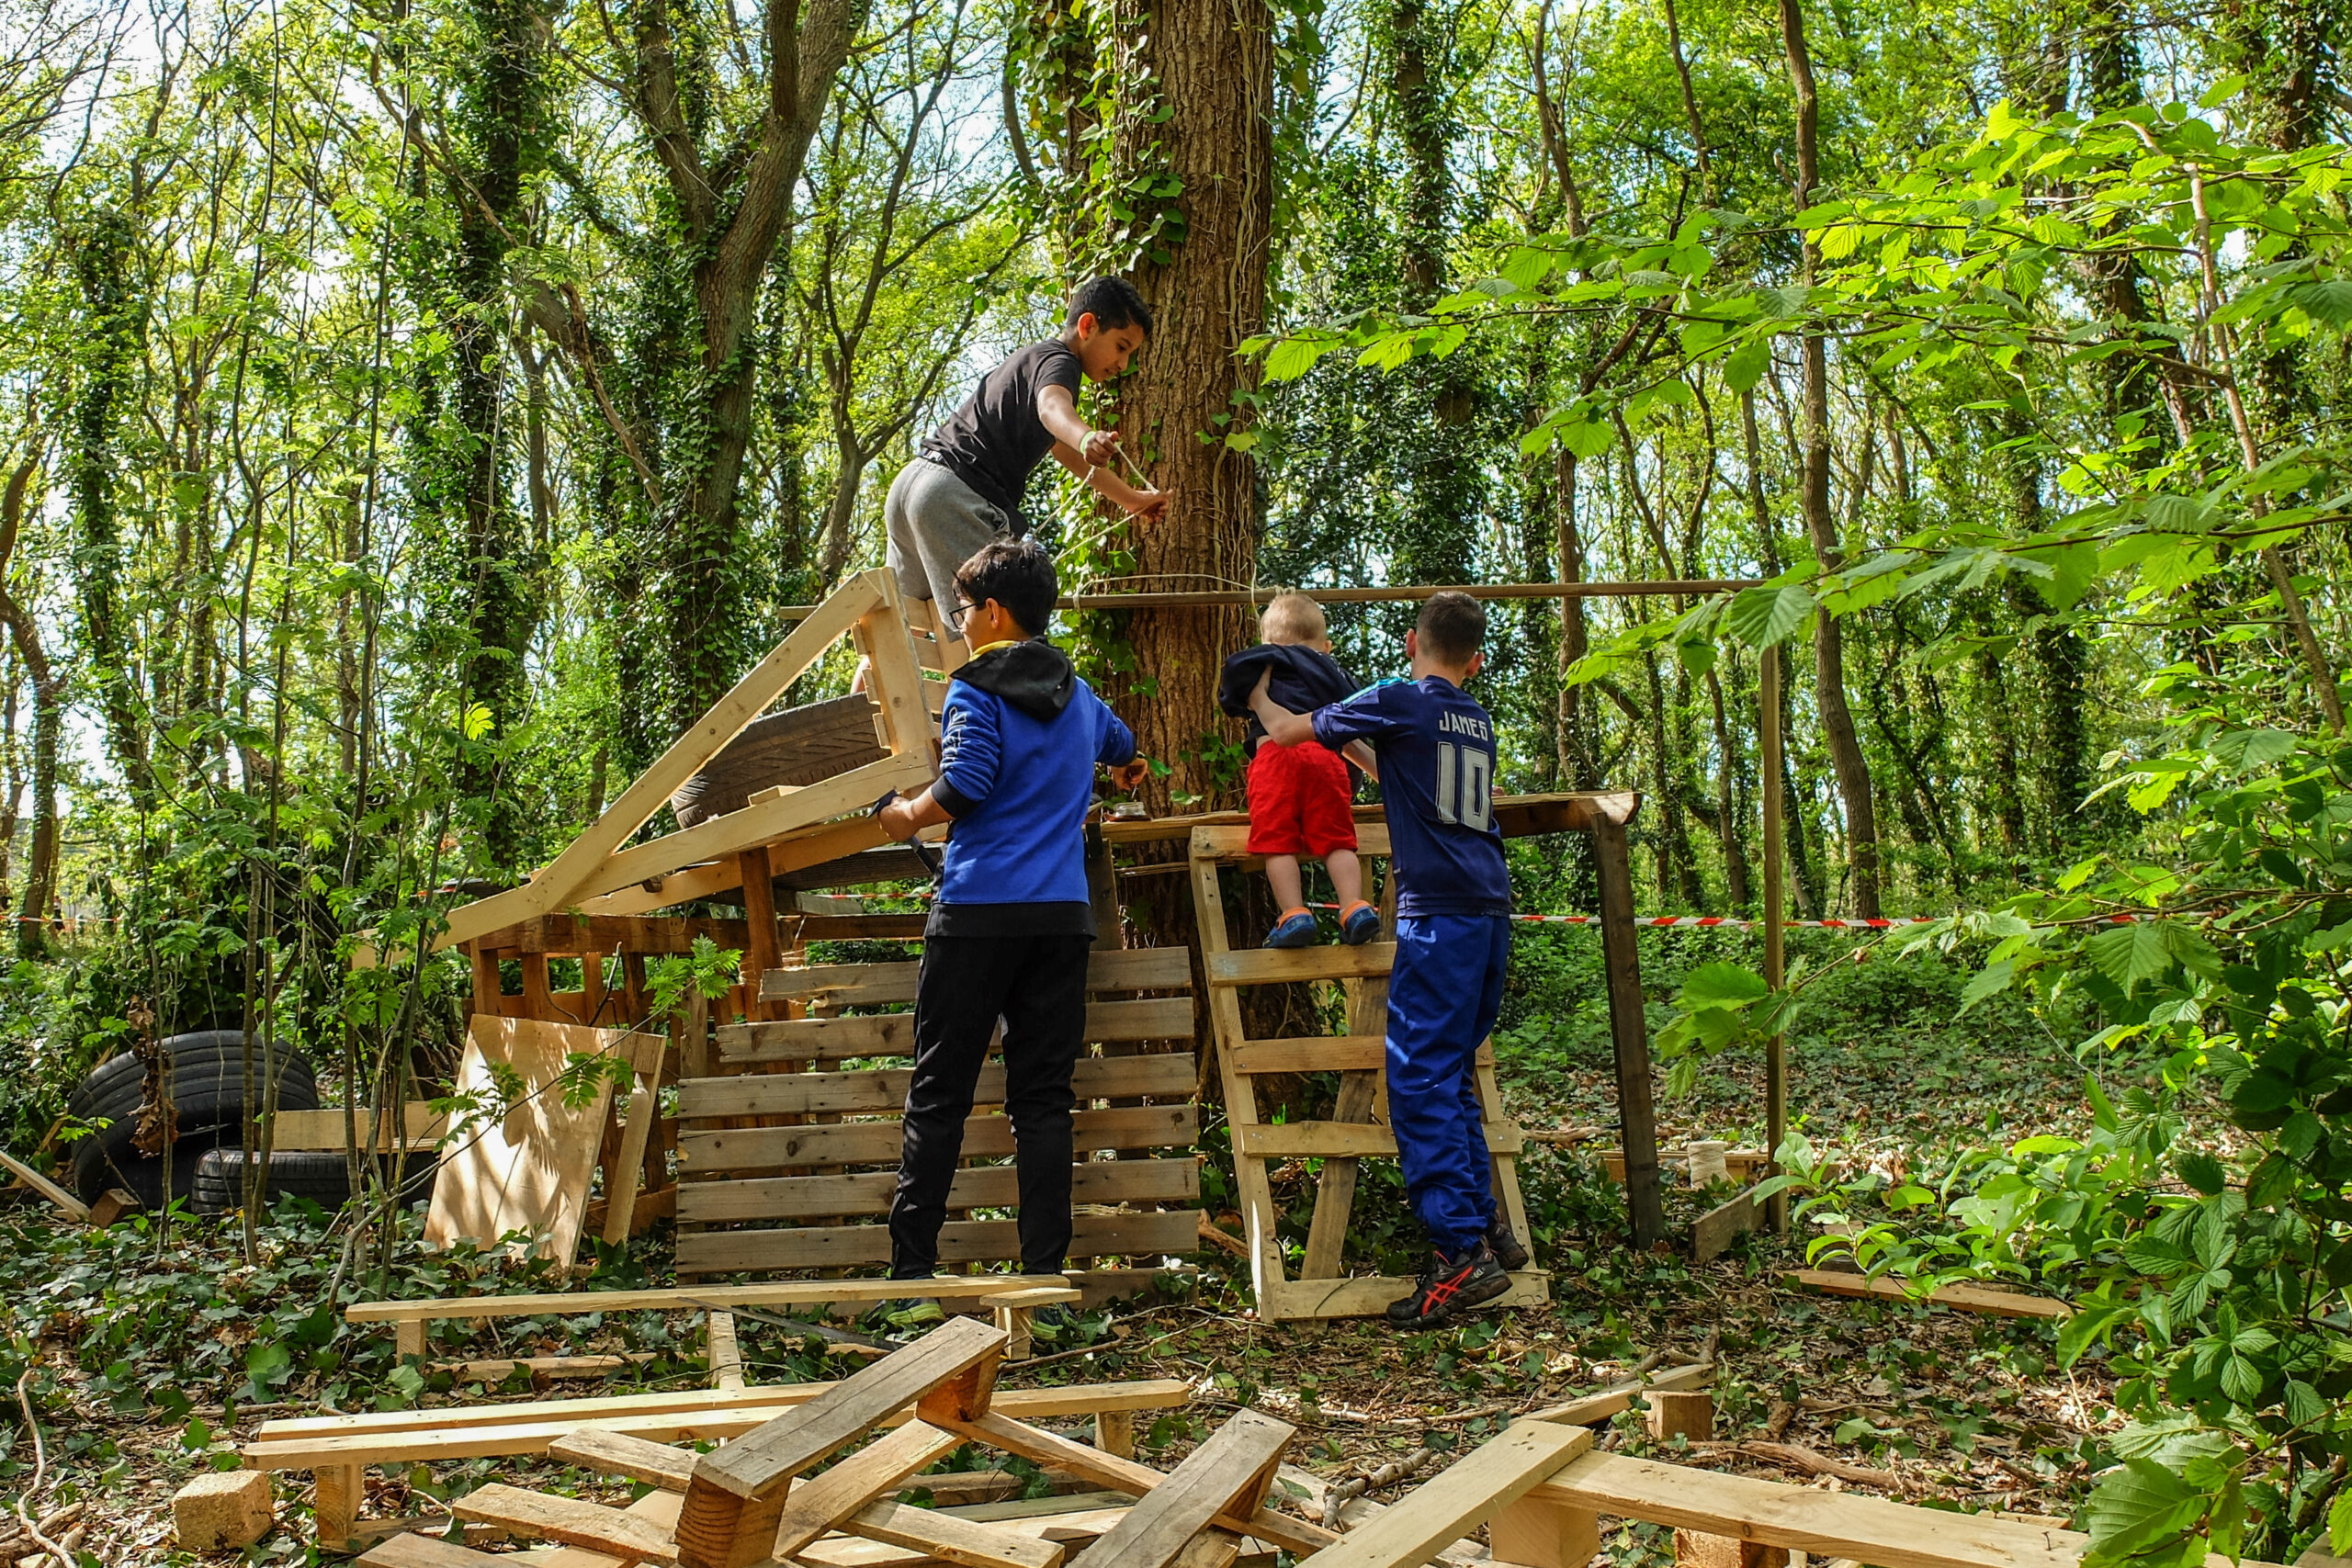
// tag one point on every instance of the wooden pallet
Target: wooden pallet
(1541, 1491)
(813, 1191)
(1358, 1129)
(761, 1497)
(337, 1449)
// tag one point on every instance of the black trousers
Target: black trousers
(1038, 985)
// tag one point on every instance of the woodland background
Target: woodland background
(413, 413)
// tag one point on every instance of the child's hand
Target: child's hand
(1151, 503)
(1099, 446)
(1128, 774)
(897, 819)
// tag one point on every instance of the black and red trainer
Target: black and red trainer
(1450, 1287)
(1508, 1250)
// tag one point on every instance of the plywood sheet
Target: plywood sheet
(528, 1171)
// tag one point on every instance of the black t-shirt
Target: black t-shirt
(1305, 680)
(996, 438)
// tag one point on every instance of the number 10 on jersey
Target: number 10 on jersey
(1466, 786)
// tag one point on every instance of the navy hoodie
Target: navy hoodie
(1304, 680)
(1019, 739)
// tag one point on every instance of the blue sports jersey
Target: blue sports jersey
(1436, 749)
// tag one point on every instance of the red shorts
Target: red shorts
(1300, 801)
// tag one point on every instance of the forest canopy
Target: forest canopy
(411, 417)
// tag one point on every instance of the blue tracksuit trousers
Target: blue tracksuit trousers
(1443, 997)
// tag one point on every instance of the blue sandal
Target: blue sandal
(1294, 930)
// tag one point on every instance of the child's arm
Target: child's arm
(970, 751)
(1359, 753)
(907, 816)
(1282, 726)
(1084, 451)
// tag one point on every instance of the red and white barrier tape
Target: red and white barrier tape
(1735, 922)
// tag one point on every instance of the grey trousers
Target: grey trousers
(935, 522)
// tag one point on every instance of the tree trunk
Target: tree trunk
(112, 337)
(1210, 65)
(1828, 644)
(48, 705)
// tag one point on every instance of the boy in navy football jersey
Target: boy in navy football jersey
(1436, 750)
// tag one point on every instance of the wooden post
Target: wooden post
(762, 950)
(1776, 1061)
(1630, 1031)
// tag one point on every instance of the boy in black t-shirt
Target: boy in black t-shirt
(964, 488)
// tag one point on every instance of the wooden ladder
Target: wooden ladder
(1358, 1125)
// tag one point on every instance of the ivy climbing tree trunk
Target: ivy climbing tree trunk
(1209, 64)
(105, 389)
(1845, 757)
(40, 869)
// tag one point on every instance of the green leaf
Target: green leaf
(2202, 1171)
(2339, 1524)
(2134, 1507)
(2130, 954)
(1765, 615)
(1721, 986)
(1746, 364)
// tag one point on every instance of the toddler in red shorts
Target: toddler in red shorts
(1300, 797)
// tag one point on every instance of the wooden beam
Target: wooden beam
(72, 1207)
(787, 1293)
(1227, 1475)
(822, 1503)
(617, 1453)
(1591, 1409)
(1629, 1030)
(1966, 1298)
(563, 881)
(1441, 1512)
(568, 1520)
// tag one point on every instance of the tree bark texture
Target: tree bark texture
(49, 704)
(1210, 62)
(1828, 644)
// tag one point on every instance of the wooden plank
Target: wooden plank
(543, 1517)
(893, 1034)
(72, 1207)
(1716, 1229)
(894, 682)
(570, 933)
(528, 1170)
(1163, 1075)
(1628, 1034)
(759, 824)
(1226, 1476)
(1001, 1431)
(868, 1195)
(986, 1136)
(322, 1130)
(565, 881)
(1335, 1194)
(1519, 816)
(1591, 1409)
(759, 1463)
(855, 985)
(627, 1170)
(1966, 1298)
(1830, 1524)
(1307, 1140)
(475, 1431)
(1441, 1511)
(1149, 1234)
(725, 1359)
(408, 1550)
(1229, 845)
(1257, 1218)
(617, 1453)
(574, 1304)
(951, 1539)
(821, 1501)
(1367, 1295)
(1286, 965)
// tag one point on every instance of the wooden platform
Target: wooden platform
(812, 1187)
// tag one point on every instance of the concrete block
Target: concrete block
(223, 1508)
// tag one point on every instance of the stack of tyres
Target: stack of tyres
(320, 1175)
(209, 1089)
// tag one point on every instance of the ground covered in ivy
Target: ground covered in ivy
(149, 1354)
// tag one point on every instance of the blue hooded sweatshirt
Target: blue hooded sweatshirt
(1019, 739)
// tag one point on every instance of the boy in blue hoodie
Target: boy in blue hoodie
(1009, 934)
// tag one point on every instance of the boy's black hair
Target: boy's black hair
(1451, 626)
(1112, 302)
(1017, 574)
